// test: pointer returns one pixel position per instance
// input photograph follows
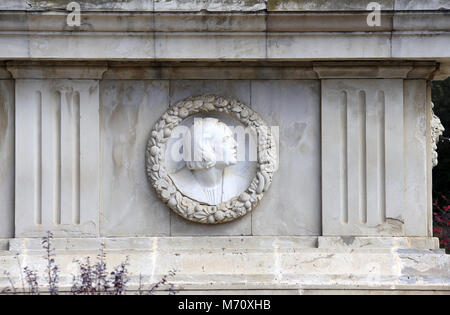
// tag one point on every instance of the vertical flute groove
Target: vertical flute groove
(57, 159)
(38, 162)
(76, 159)
(343, 108)
(382, 157)
(362, 158)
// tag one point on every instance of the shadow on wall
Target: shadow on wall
(440, 93)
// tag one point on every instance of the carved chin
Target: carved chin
(231, 161)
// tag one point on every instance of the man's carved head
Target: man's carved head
(213, 144)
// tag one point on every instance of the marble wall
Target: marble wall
(354, 154)
(128, 110)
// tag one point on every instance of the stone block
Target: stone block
(317, 46)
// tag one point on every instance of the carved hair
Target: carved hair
(206, 133)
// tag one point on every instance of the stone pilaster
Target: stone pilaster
(6, 155)
(375, 154)
(57, 150)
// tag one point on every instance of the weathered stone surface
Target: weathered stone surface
(4, 244)
(224, 5)
(422, 5)
(13, 5)
(122, 217)
(273, 263)
(211, 22)
(417, 204)
(339, 70)
(345, 45)
(378, 242)
(362, 176)
(314, 5)
(57, 149)
(421, 22)
(56, 70)
(210, 5)
(210, 46)
(443, 72)
(128, 112)
(235, 30)
(7, 154)
(180, 243)
(181, 89)
(414, 46)
(304, 21)
(286, 70)
(81, 47)
(355, 147)
(212, 71)
(132, 5)
(293, 202)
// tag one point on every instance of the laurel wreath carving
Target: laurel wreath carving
(194, 210)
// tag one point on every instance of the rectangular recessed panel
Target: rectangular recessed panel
(57, 162)
(362, 160)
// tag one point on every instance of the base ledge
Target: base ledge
(232, 264)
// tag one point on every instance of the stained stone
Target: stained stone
(345, 204)
(129, 110)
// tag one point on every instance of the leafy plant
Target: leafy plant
(441, 215)
(93, 279)
(52, 268)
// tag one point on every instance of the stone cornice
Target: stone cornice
(273, 70)
(225, 5)
(135, 31)
(4, 73)
(222, 70)
(71, 70)
(101, 22)
(443, 72)
(355, 70)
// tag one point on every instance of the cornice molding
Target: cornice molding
(296, 35)
(226, 5)
(4, 73)
(343, 70)
(223, 70)
(36, 70)
(443, 72)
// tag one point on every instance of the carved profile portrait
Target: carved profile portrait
(205, 175)
(211, 159)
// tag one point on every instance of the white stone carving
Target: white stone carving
(204, 189)
(205, 179)
(437, 130)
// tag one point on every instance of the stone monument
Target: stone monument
(253, 146)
